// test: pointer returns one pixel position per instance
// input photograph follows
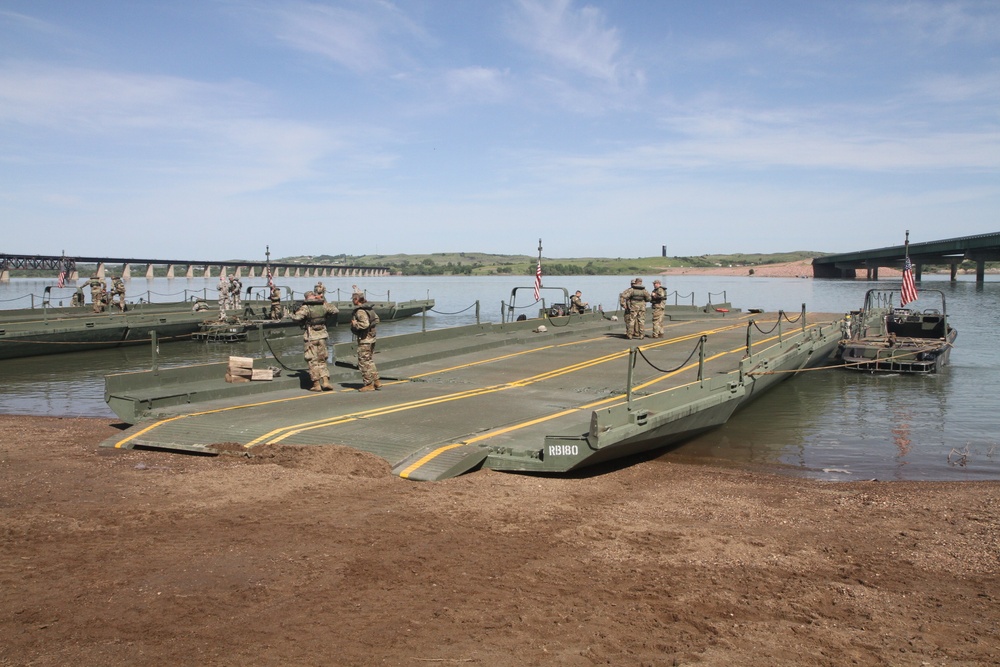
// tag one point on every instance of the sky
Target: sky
(611, 128)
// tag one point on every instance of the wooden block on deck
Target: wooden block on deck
(236, 378)
(262, 374)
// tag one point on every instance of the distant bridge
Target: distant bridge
(980, 249)
(177, 267)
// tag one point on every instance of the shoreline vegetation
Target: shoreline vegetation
(765, 265)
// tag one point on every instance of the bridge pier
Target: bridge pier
(126, 271)
(980, 270)
(5, 276)
(190, 271)
(149, 272)
(208, 271)
(100, 270)
(170, 270)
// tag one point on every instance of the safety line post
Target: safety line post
(628, 378)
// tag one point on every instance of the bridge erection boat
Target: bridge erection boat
(890, 339)
(546, 395)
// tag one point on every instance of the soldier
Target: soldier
(275, 302)
(658, 297)
(96, 289)
(633, 303)
(235, 287)
(363, 322)
(78, 298)
(223, 296)
(320, 290)
(576, 303)
(312, 314)
(118, 292)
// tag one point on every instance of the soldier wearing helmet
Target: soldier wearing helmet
(633, 302)
(312, 315)
(658, 297)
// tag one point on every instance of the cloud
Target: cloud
(480, 84)
(577, 39)
(942, 23)
(370, 36)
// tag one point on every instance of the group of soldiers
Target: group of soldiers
(313, 314)
(229, 294)
(633, 303)
(101, 298)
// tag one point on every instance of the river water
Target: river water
(832, 424)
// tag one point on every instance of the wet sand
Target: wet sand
(317, 556)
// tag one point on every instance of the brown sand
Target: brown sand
(799, 269)
(317, 556)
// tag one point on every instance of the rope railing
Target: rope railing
(639, 352)
(457, 312)
(677, 296)
(711, 294)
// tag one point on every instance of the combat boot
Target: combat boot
(316, 386)
(325, 384)
(378, 384)
(367, 387)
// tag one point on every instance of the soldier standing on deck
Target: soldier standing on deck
(223, 296)
(275, 302)
(312, 314)
(658, 297)
(235, 287)
(363, 323)
(118, 292)
(96, 293)
(320, 290)
(577, 304)
(633, 303)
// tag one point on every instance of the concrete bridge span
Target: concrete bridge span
(126, 266)
(980, 249)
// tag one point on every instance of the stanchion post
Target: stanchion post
(628, 377)
(477, 312)
(423, 319)
(749, 354)
(701, 359)
(155, 349)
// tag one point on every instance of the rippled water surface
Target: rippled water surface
(830, 424)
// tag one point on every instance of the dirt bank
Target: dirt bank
(319, 557)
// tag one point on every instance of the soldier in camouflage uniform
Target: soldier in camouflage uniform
(118, 292)
(577, 304)
(633, 303)
(320, 290)
(96, 293)
(658, 297)
(312, 314)
(275, 302)
(235, 287)
(363, 323)
(223, 296)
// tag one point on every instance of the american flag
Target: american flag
(538, 281)
(62, 278)
(270, 278)
(909, 291)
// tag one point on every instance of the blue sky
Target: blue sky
(211, 128)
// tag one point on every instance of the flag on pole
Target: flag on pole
(62, 278)
(909, 291)
(538, 281)
(270, 278)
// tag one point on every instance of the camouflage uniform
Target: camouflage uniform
(78, 298)
(576, 304)
(312, 314)
(633, 303)
(320, 290)
(118, 292)
(96, 289)
(223, 296)
(658, 297)
(235, 287)
(275, 302)
(363, 322)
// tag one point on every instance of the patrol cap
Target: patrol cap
(637, 282)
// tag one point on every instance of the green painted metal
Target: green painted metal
(503, 396)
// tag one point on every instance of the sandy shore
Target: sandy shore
(317, 556)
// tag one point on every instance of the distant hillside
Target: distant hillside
(480, 263)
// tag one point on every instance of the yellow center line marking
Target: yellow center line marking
(586, 406)
(297, 428)
(281, 433)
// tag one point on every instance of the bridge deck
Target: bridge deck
(504, 387)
